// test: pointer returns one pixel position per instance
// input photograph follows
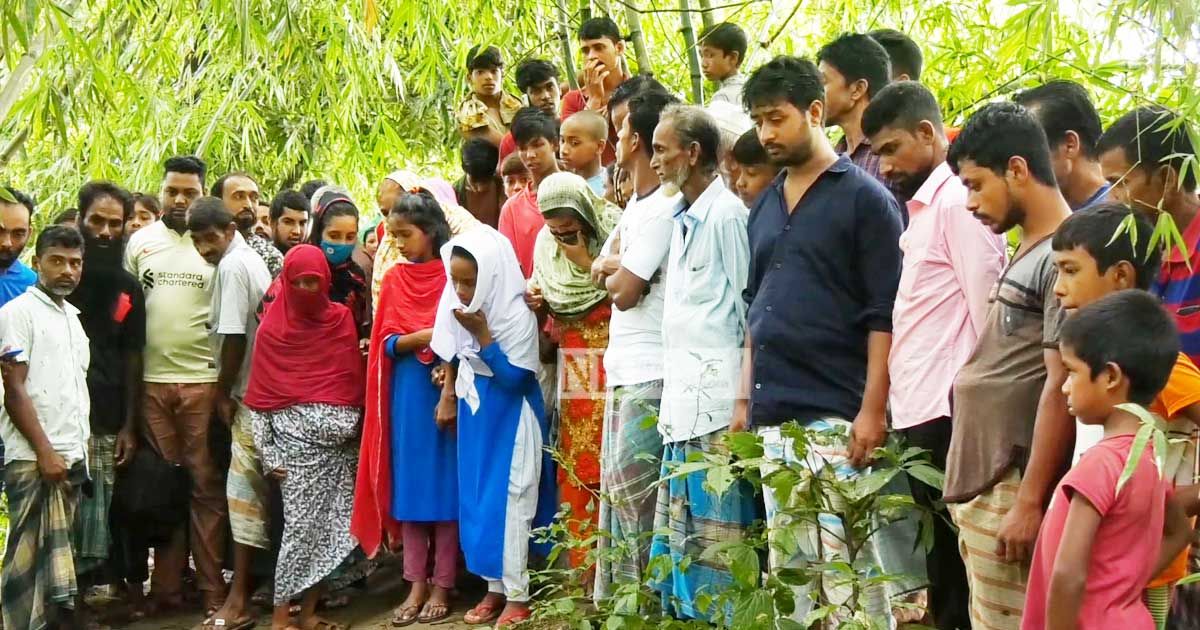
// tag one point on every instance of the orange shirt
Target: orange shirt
(1181, 392)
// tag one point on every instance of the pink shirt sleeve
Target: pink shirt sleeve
(977, 257)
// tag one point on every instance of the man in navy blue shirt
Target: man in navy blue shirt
(824, 268)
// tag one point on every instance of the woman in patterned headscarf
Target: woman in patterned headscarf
(578, 223)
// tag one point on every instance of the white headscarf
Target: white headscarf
(500, 295)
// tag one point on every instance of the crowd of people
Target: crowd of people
(619, 279)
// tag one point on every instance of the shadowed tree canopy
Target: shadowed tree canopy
(290, 90)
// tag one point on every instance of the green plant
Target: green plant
(759, 597)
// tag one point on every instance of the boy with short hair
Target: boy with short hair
(538, 80)
(514, 174)
(755, 169)
(489, 110)
(1093, 555)
(536, 134)
(584, 136)
(1091, 265)
(722, 51)
(480, 190)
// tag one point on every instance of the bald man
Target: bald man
(584, 136)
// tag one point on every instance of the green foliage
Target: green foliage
(348, 91)
(758, 597)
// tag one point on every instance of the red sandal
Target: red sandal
(514, 618)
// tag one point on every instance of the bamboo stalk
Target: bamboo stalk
(693, 54)
(706, 14)
(634, 18)
(564, 34)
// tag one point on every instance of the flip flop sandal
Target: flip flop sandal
(514, 618)
(482, 614)
(427, 619)
(401, 617)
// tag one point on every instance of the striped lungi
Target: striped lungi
(246, 487)
(997, 587)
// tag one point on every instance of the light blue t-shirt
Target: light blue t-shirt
(596, 182)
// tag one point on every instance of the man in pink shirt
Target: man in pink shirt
(951, 262)
(536, 133)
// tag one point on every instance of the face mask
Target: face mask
(336, 253)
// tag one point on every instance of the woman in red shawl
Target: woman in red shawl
(416, 502)
(306, 407)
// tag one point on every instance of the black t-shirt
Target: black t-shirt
(114, 330)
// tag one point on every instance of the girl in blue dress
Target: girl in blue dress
(408, 481)
(488, 337)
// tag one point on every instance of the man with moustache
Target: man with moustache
(112, 310)
(1012, 435)
(824, 267)
(951, 262)
(180, 380)
(239, 193)
(16, 215)
(44, 423)
(704, 323)
(290, 212)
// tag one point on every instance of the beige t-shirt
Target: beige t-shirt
(178, 285)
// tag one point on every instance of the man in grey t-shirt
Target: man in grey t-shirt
(241, 281)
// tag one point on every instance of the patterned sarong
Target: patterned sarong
(628, 484)
(688, 519)
(92, 535)
(39, 567)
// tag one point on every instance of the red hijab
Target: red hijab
(306, 348)
(408, 303)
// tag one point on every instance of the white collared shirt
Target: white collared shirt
(704, 314)
(53, 344)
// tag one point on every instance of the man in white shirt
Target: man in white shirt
(181, 375)
(704, 323)
(631, 267)
(241, 281)
(45, 428)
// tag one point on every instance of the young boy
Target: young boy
(722, 51)
(514, 174)
(755, 170)
(584, 136)
(1093, 555)
(1090, 266)
(489, 110)
(536, 133)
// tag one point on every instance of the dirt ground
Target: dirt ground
(372, 610)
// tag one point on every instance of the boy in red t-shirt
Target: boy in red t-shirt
(1094, 556)
(1092, 264)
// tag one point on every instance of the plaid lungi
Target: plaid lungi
(689, 519)
(246, 487)
(629, 477)
(92, 534)
(39, 567)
